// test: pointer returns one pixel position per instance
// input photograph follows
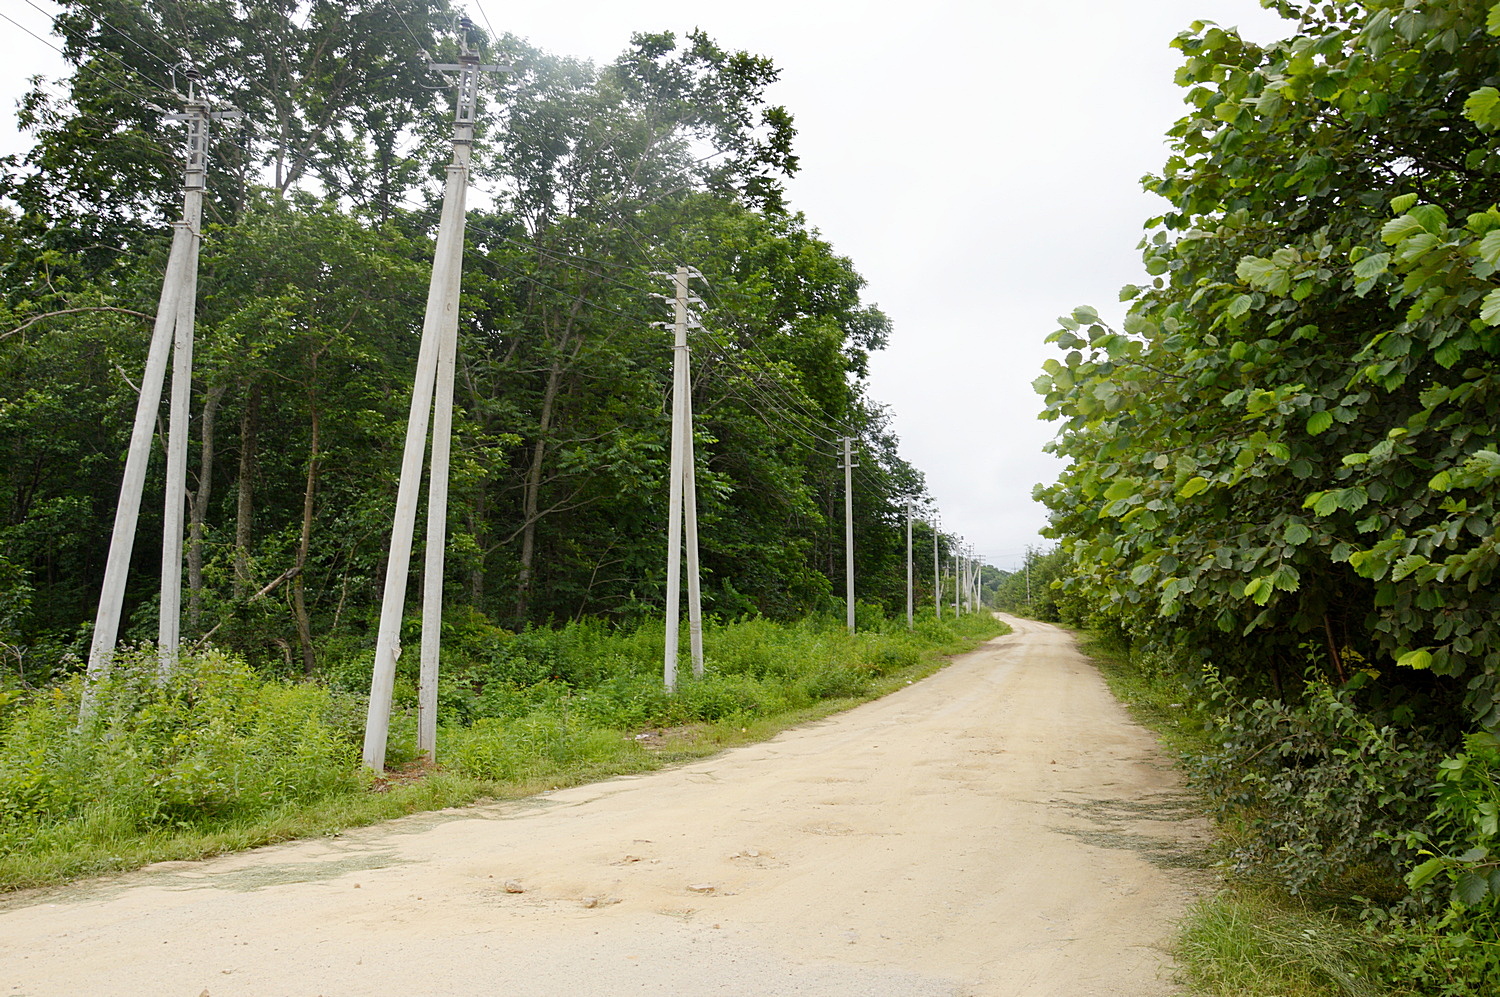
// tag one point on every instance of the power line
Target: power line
(35, 35)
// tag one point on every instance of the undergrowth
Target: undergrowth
(218, 758)
(1359, 843)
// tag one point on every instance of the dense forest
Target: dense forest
(317, 241)
(1284, 467)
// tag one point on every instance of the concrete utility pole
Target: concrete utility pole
(682, 501)
(849, 531)
(171, 333)
(937, 572)
(957, 585)
(909, 596)
(435, 364)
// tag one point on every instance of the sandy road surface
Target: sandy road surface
(998, 829)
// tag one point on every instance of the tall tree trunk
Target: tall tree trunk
(299, 599)
(244, 511)
(198, 510)
(477, 529)
(532, 493)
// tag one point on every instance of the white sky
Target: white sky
(978, 161)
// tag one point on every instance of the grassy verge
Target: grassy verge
(1246, 939)
(220, 759)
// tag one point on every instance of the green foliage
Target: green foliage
(215, 744)
(219, 757)
(1289, 444)
(1328, 797)
(1465, 832)
(1287, 436)
(1455, 953)
(306, 309)
(1038, 590)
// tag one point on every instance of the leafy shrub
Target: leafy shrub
(1327, 793)
(832, 682)
(1455, 953)
(212, 744)
(1463, 842)
(536, 744)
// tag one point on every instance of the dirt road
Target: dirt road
(1001, 828)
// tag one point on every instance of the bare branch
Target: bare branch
(71, 311)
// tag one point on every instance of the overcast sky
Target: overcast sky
(978, 161)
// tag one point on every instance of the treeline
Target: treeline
(317, 243)
(1284, 465)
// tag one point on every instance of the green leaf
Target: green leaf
(1296, 534)
(1254, 270)
(1240, 305)
(1407, 565)
(1471, 889)
(1489, 247)
(1318, 422)
(1492, 21)
(1085, 315)
(1489, 309)
(1398, 229)
(1483, 107)
(1432, 218)
(1192, 487)
(1425, 873)
(1372, 266)
(1401, 203)
(1420, 659)
(1352, 499)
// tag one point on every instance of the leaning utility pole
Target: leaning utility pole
(908, 564)
(682, 494)
(436, 358)
(171, 333)
(849, 532)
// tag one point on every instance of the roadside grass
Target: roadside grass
(1246, 939)
(1252, 944)
(221, 760)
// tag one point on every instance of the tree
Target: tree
(1292, 434)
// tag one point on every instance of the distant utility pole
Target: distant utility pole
(172, 333)
(976, 580)
(682, 503)
(908, 565)
(436, 359)
(849, 466)
(1028, 579)
(957, 586)
(937, 571)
